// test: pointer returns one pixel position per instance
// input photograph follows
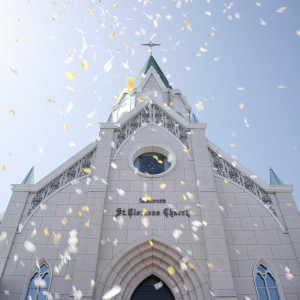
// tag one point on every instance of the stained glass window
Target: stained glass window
(39, 284)
(152, 288)
(152, 163)
(265, 284)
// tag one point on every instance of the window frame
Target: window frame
(33, 270)
(269, 270)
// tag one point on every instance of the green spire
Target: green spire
(274, 179)
(152, 62)
(29, 178)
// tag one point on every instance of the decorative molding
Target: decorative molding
(227, 170)
(74, 172)
(151, 114)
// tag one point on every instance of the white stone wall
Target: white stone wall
(252, 233)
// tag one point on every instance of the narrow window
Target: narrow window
(265, 284)
(39, 284)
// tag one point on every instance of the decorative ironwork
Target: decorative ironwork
(152, 114)
(227, 170)
(74, 172)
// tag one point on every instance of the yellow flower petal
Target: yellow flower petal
(115, 5)
(210, 265)
(67, 277)
(113, 35)
(186, 150)
(182, 182)
(84, 65)
(59, 236)
(184, 197)
(90, 11)
(4, 167)
(162, 186)
(155, 23)
(87, 224)
(46, 232)
(237, 251)
(141, 99)
(79, 214)
(226, 181)
(241, 106)
(171, 270)
(191, 266)
(130, 84)
(212, 34)
(187, 23)
(87, 170)
(144, 211)
(64, 221)
(70, 75)
(66, 127)
(298, 32)
(181, 225)
(258, 4)
(12, 111)
(85, 208)
(151, 243)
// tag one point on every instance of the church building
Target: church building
(151, 210)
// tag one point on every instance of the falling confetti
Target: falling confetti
(46, 232)
(258, 4)
(171, 270)
(84, 65)
(162, 186)
(130, 84)
(241, 106)
(90, 11)
(113, 35)
(65, 127)
(4, 167)
(281, 9)
(12, 111)
(87, 170)
(29, 246)
(70, 75)
(115, 290)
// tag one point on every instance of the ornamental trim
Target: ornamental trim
(151, 114)
(227, 170)
(76, 171)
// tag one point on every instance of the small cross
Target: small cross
(150, 45)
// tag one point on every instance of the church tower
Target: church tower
(151, 210)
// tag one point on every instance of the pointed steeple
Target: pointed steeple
(151, 62)
(29, 178)
(274, 179)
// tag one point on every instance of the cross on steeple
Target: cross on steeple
(150, 45)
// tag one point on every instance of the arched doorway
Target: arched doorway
(152, 288)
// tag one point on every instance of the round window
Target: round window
(152, 160)
(152, 163)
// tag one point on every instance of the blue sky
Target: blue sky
(247, 53)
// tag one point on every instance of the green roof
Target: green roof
(274, 179)
(29, 178)
(152, 62)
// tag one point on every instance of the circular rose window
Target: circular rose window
(152, 161)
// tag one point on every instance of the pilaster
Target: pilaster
(90, 236)
(220, 275)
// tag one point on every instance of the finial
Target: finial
(150, 45)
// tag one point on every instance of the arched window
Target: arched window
(152, 163)
(267, 282)
(37, 282)
(152, 288)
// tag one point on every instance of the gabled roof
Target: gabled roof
(152, 62)
(274, 179)
(29, 178)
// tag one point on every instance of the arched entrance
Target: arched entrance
(152, 288)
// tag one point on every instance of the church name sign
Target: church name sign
(167, 212)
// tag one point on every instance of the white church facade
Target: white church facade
(151, 210)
